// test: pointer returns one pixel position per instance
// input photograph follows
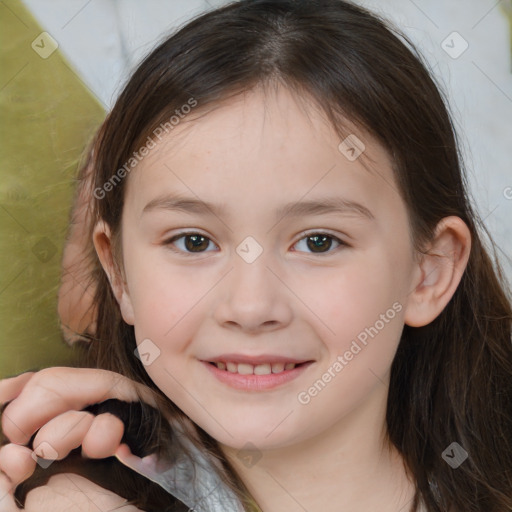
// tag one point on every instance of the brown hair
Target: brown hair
(451, 379)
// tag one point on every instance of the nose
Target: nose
(253, 298)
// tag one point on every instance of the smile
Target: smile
(259, 376)
(250, 369)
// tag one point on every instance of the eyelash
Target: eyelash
(304, 236)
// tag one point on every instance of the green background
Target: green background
(48, 117)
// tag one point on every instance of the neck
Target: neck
(348, 467)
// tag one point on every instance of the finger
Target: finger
(146, 466)
(68, 491)
(123, 452)
(11, 388)
(125, 455)
(16, 462)
(10, 427)
(103, 437)
(53, 391)
(7, 503)
(62, 434)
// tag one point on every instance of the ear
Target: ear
(103, 243)
(439, 271)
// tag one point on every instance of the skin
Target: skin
(253, 155)
(66, 492)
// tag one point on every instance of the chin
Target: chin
(252, 438)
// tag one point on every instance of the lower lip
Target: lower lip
(256, 382)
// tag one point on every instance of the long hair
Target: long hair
(451, 379)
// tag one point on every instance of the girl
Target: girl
(286, 256)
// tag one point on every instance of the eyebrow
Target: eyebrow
(319, 206)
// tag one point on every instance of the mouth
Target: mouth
(255, 369)
(256, 373)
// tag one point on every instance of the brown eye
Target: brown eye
(319, 243)
(190, 242)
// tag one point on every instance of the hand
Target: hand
(63, 493)
(7, 503)
(50, 402)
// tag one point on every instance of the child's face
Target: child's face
(301, 300)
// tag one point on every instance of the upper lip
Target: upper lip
(255, 360)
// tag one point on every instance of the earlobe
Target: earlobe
(439, 272)
(103, 244)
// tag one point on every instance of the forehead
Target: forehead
(261, 147)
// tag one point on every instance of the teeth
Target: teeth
(245, 369)
(277, 367)
(263, 369)
(259, 369)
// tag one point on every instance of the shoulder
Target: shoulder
(67, 492)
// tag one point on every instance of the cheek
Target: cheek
(166, 308)
(362, 321)
(162, 298)
(354, 296)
